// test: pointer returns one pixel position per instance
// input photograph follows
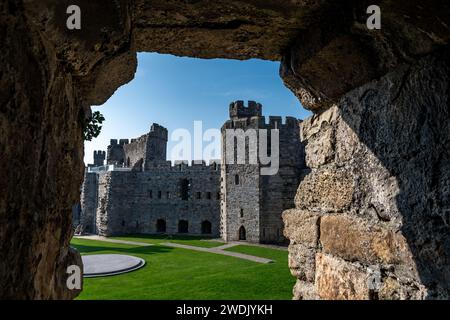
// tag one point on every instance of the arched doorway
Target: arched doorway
(206, 227)
(183, 226)
(161, 225)
(242, 233)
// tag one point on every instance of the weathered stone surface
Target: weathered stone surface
(302, 261)
(392, 289)
(357, 240)
(337, 279)
(304, 291)
(301, 227)
(325, 190)
(389, 145)
(346, 42)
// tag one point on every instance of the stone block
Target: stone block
(337, 279)
(314, 124)
(304, 291)
(319, 149)
(354, 239)
(302, 262)
(301, 226)
(325, 190)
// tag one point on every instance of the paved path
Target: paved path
(245, 243)
(99, 238)
(217, 250)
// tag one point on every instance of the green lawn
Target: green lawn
(157, 239)
(174, 273)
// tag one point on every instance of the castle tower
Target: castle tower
(99, 158)
(157, 143)
(252, 203)
(240, 186)
(115, 153)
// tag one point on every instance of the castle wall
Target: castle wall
(132, 202)
(135, 152)
(88, 203)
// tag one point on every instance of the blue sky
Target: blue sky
(175, 92)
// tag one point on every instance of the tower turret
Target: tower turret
(99, 158)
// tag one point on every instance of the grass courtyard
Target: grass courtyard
(176, 273)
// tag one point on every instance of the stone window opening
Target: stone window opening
(168, 194)
(208, 195)
(242, 213)
(184, 189)
(161, 226)
(150, 194)
(206, 227)
(218, 195)
(236, 179)
(183, 226)
(242, 233)
(159, 194)
(199, 195)
(123, 223)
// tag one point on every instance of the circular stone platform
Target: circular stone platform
(102, 265)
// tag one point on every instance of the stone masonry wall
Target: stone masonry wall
(88, 202)
(132, 202)
(372, 211)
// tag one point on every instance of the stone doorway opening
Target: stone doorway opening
(206, 227)
(183, 226)
(242, 234)
(161, 226)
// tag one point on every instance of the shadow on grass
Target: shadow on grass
(163, 236)
(135, 250)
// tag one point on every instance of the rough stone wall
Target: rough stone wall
(88, 202)
(374, 203)
(132, 202)
(257, 201)
(135, 152)
(150, 147)
(277, 192)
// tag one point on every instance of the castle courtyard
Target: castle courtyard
(177, 273)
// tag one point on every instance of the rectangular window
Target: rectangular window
(168, 195)
(218, 195)
(150, 194)
(199, 195)
(159, 194)
(208, 195)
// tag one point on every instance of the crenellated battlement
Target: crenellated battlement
(182, 165)
(259, 122)
(239, 110)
